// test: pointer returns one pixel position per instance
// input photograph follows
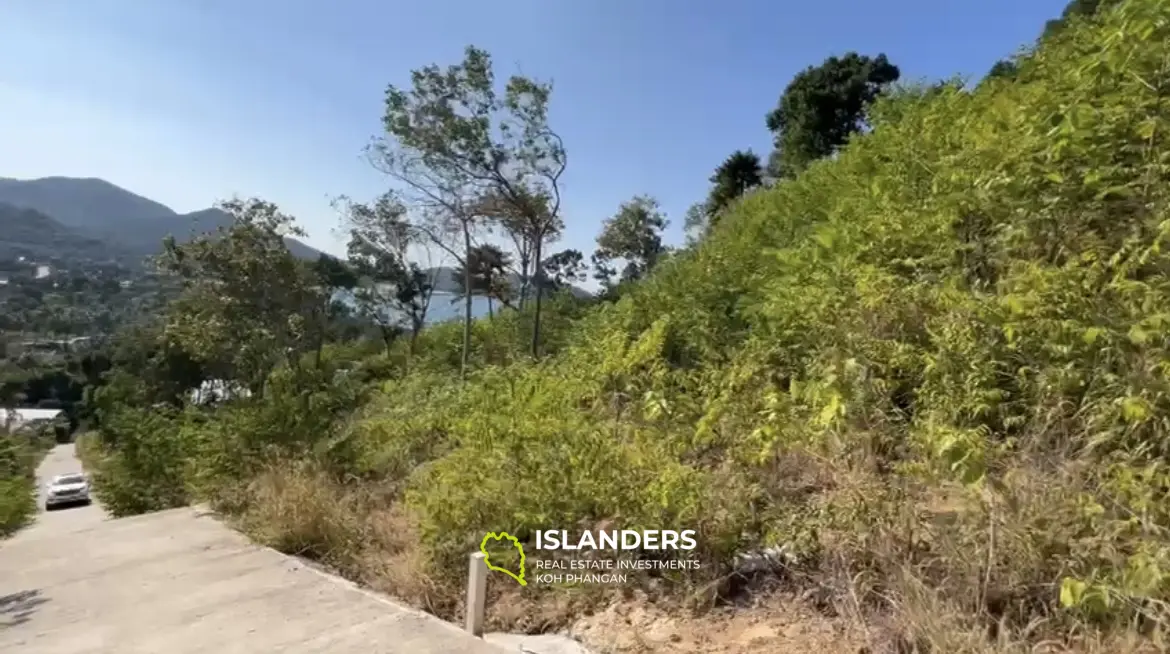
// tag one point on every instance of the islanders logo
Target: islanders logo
(487, 557)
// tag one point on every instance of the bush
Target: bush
(18, 504)
(142, 463)
(20, 454)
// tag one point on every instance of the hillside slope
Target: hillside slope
(112, 214)
(930, 375)
(933, 368)
(31, 234)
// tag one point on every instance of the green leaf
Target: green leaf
(1091, 335)
(1072, 592)
(1115, 192)
(1134, 409)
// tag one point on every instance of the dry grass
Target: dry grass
(874, 592)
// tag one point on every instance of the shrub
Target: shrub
(18, 504)
(143, 466)
(20, 453)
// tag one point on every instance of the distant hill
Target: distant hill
(447, 282)
(128, 222)
(31, 234)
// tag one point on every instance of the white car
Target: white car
(72, 488)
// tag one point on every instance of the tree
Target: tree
(738, 174)
(465, 154)
(1003, 69)
(1009, 68)
(530, 223)
(489, 275)
(1076, 8)
(823, 106)
(695, 222)
(391, 288)
(332, 276)
(515, 226)
(564, 268)
(391, 292)
(161, 370)
(246, 302)
(632, 235)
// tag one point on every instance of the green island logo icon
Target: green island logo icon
(487, 558)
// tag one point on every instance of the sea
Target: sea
(445, 306)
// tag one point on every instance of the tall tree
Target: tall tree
(695, 222)
(391, 289)
(462, 151)
(333, 274)
(1008, 68)
(1076, 8)
(1004, 68)
(332, 277)
(246, 302)
(823, 106)
(489, 275)
(564, 268)
(515, 226)
(738, 174)
(524, 231)
(161, 370)
(633, 236)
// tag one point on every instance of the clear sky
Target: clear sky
(191, 101)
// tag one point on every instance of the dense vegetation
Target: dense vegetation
(932, 366)
(20, 452)
(51, 338)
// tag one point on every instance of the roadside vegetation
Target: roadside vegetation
(924, 352)
(21, 451)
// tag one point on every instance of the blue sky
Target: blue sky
(191, 101)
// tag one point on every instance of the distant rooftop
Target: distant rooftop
(17, 418)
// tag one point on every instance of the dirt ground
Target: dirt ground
(778, 625)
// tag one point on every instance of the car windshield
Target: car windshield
(69, 479)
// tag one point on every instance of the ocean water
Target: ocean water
(444, 307)
(448, 306)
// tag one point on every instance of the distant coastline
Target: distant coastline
(444, 306)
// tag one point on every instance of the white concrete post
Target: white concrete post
(476, 593)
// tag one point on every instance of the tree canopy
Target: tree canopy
(467, 156)
(632, 238)
(823, 106)
(738, 174)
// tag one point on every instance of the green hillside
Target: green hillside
(958, 322)
(933, 368)
(37, 237)
(112, 220)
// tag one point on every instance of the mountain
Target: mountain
(100, 210)
(447, 282)
(31, 234)
(210, 219)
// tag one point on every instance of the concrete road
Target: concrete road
(180, 582)
(60, 461)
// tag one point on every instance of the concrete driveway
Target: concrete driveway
(77, 582)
